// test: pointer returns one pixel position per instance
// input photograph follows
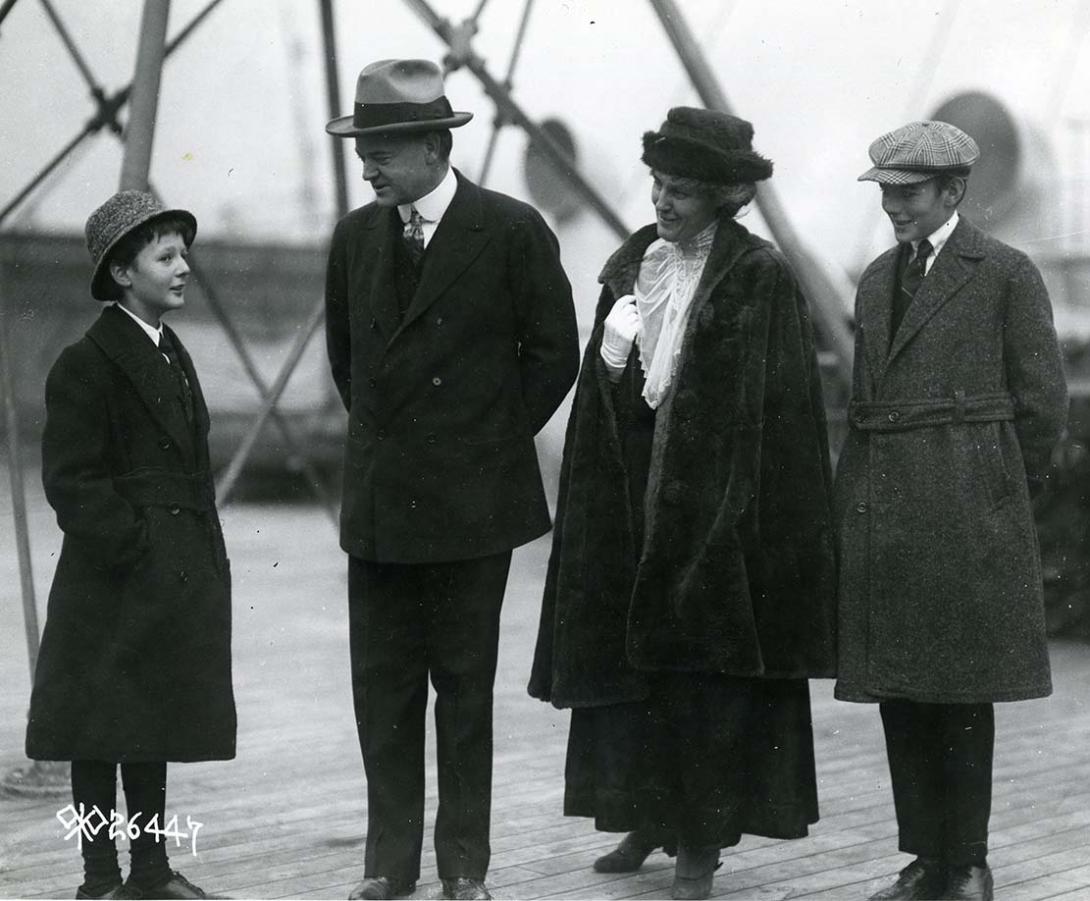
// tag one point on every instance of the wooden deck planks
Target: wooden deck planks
(287, 819)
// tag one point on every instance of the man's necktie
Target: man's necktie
(910, 284)
(166, 347)
(413, 234)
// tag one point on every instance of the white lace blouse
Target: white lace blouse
(665, 286)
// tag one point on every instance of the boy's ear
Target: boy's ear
(121, 275)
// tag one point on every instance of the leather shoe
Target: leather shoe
(465, 888)
(924, 878)
(380, 888)
(629, 855)
(177, 886)
(970, 883)
(694, 872)
(121, 890)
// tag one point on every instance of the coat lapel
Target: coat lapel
(383, 231)
(201, 419)
(457, 241)
(133, 353)
(953, 267)
(876, 310)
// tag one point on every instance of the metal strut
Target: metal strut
(458, 38)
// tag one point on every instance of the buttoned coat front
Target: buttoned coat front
(444, 403)
(135, 659)
(952, 424)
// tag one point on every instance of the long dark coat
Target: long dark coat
(940, 580)
(135, 660)
(735, 573)
(443, 406)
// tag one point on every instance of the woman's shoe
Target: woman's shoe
(629, 855)
(694, 872)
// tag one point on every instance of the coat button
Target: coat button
(380, 434)
(436, 381)
(165, 443)
(894, 415)
(412, 505)
(183, 576)
(431, 438)
(175, 509)
(372, 382)
(438, 320)
(861, 507)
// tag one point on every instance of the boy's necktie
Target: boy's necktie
(166, 346)
(910, 283)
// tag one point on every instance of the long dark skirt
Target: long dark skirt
(705, 759)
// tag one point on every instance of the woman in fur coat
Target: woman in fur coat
(690, 591)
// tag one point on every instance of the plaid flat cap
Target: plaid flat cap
(919, 151)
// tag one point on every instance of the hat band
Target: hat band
(376, 115)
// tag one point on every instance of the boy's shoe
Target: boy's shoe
(177, 886)
(380, 888)
(121, 890)
(924, 878)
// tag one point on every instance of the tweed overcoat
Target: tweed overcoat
(735, 573)
(135, 659)
(951, 426)
(443, 406)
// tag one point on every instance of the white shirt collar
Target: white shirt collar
(434, 204)
(150, 331)
(938, 237)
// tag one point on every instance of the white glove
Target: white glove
(621, 327)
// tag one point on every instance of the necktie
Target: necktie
(413, 233)
(910, 283)
(166, 346)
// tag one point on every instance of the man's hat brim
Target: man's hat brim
(344, 126)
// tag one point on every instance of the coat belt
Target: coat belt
(903, 415)
(153, 488)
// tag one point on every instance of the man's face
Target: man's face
(400, 169)
(917, 210)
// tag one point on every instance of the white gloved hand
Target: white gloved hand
(621, 327)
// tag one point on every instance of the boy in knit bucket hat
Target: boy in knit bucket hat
(957, 399)
(135, 661)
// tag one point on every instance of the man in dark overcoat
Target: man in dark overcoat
(452, 339)
(958, 398)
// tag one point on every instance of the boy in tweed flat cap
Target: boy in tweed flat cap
(958, 398)
(135, 661)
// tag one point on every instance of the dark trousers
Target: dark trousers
(406, 623)
(940, 763)
(94, 784)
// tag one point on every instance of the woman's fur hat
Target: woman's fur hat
(706, 145)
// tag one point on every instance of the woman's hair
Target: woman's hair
(125, 251)
(729, 198)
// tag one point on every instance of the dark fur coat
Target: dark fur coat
(735, 572)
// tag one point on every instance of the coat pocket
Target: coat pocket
(991, 468)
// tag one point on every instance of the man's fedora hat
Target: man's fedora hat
(118, 216)
(706, 145)
(398, 96)
(919, 151)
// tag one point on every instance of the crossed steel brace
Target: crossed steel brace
(106, 116)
